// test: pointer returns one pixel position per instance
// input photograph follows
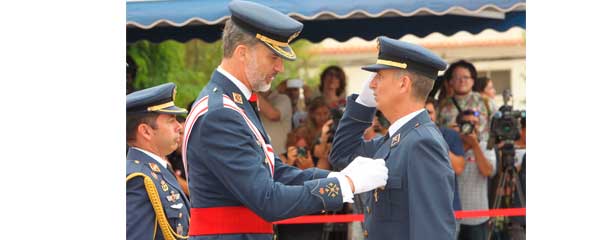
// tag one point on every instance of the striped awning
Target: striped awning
(182, 20)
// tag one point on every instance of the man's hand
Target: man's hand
(291, 155)
(305, 162)
(366, 96)
(366, 174)
(470, 139)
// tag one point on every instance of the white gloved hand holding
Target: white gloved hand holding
(366, 174)
(366, 97)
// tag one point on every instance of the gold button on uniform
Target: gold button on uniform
(366, 233)
(180, 215)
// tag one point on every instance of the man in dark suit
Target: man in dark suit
(237, 184)
(157, 207)
(416, 203)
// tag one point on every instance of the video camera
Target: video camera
(506, 126)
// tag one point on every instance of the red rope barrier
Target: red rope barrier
(344, 218)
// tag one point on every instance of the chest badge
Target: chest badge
(164, 185)
(237, 98)
(154, 167)
(173, 197)
(395, 140)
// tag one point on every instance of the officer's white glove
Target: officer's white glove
(366, 174)
(366, 97)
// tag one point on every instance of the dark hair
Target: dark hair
(233, 36)
(430, 100)
(337, 72)
(421, 85)
(134, 120)
(480, 84)
(317, 103)
(460, 63)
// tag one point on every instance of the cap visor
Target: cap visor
(377, 67)
(286, 52)
(172, 110)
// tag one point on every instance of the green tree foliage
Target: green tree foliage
(190, 65)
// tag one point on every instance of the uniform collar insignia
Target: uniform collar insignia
(154, 167)
(395, 140)
(237, 98)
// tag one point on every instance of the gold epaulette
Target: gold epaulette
(165, 227)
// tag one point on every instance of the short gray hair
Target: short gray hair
(234, 36)
(421, 85)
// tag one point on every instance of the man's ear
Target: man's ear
(405, 83)
(144, 131)
(240, 52)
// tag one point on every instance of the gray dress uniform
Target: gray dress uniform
(416, 202)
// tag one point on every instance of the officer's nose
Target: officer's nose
(374, 81)
(179, 127)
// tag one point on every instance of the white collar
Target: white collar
(403, 120)
(247, 93)
(153, 156)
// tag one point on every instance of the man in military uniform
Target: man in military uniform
(237, 184)
(416, 203)
(157, 207)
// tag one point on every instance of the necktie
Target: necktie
(254, 103)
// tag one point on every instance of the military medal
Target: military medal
(154, 167)
(179, 229)
(164, 185)
(173, 197)
(154, 175)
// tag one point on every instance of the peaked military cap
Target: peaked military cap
(159, 99)
(273, 28)
(404, 55)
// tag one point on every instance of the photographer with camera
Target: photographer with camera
(465, 111)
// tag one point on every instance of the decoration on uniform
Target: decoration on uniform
(332, 190)
(154, 175)
(417, 125)
(179, 229)
(136, 161)
(237, 98)
(154, 167)
(294, 36)
(173, 197)
(174, 92)
(177, 206)
(395, 140)
(164, 185)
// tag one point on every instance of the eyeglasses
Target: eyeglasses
(471, 112)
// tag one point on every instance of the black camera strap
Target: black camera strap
(456, 104)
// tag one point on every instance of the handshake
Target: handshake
(365, 174)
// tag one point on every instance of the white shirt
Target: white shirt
(403, 120)
(247, 92)
(154, 156)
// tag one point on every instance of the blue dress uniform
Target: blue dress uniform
(416, 203)
(157, 207)
(237, 184)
